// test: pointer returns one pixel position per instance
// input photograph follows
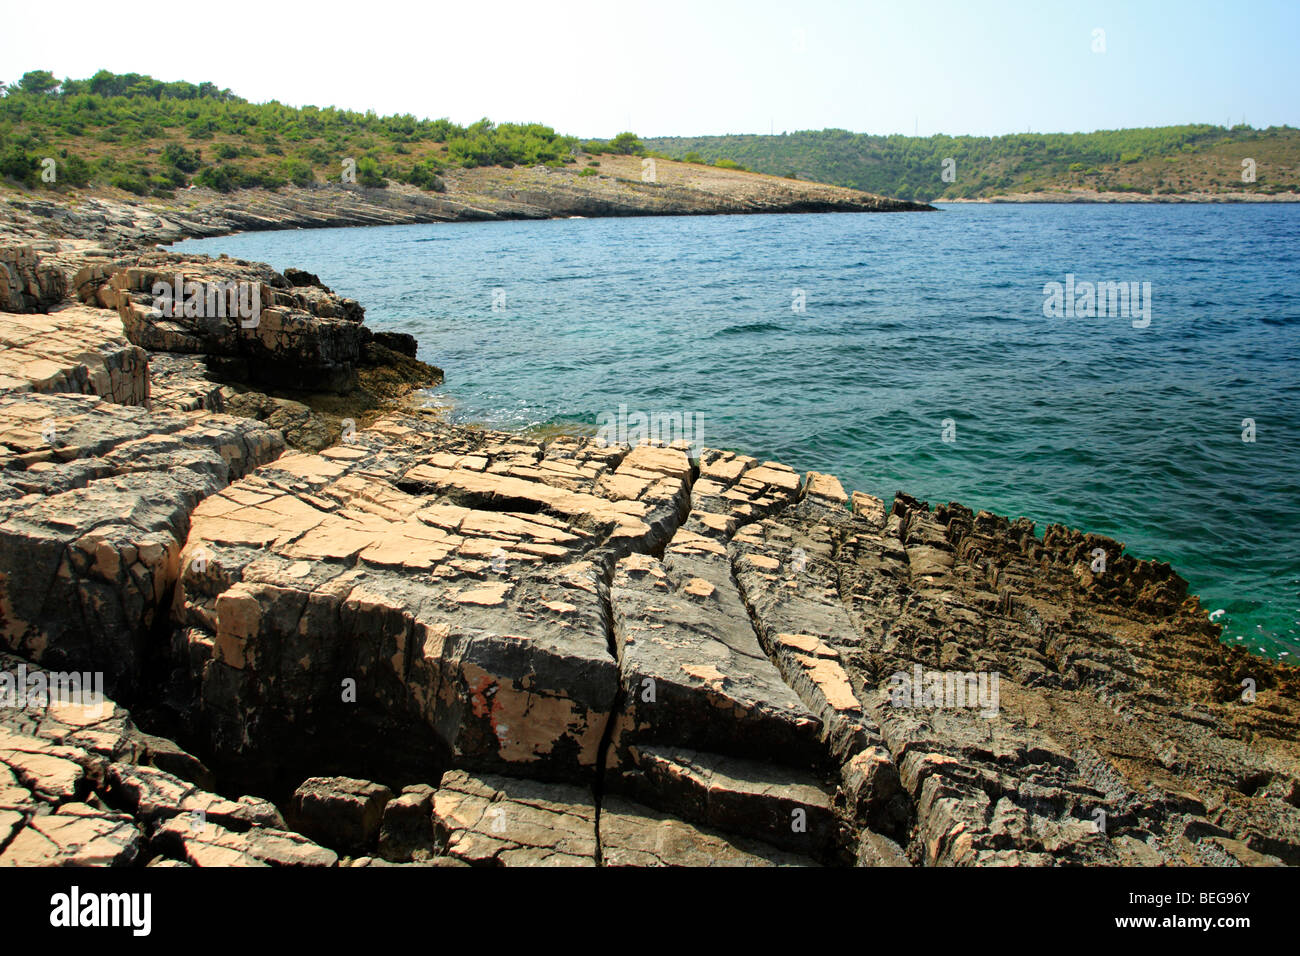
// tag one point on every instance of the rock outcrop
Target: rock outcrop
(95, 503)
(74, 349)
(243, 313)
(414, 643)
(725, 642)
(26, 285)
(501, 821)
(114, 220)
(81, 785)
(341, 811)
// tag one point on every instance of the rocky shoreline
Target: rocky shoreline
(114, 219)
(378, 638)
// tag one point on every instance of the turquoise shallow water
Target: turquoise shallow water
(909, 320)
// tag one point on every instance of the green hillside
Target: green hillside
(151, 137)
(1165, 160)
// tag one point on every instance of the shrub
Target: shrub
(369, 174)
(297, 172)
(162, 186)
(74, 171)
(267, 180)
(173, 177)
(588, 171)
(626, 144)
(425, 176)
(15, 164)
(174, 154)
(728, 164)
(129, 182)
(320, 156)
(221, 178)
(486, 144)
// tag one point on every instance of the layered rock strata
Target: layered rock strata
(112, 220)
(429, 644)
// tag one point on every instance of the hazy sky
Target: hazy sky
(707, 66)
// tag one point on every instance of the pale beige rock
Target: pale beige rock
(75, 349)
(825, 487)
(869, 507)
(74, 836)
(665, 461)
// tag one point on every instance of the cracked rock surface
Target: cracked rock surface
(81, 785)
(438, 645)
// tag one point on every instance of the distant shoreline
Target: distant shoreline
(1094, 197)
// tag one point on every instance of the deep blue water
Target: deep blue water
(910, 319)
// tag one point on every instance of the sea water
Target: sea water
(914, 351)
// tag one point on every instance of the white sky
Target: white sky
(707, 66)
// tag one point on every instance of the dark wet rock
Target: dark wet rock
(782, 806)
(298, 338)
(632, 835)
(406, 833)
(341, 812)
(302, 427)
(298, 277)
(400, 342)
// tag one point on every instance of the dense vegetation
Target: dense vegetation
(1168, 159)
(151, 137)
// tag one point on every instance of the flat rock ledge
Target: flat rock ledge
(436, 645)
